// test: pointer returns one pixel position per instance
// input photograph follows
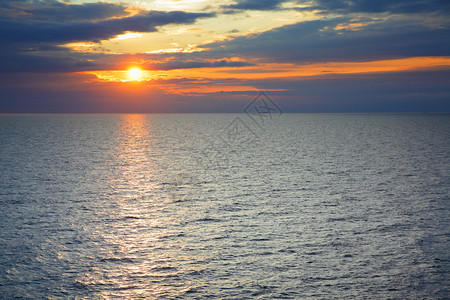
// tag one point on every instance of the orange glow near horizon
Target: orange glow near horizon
(130, 75)
(273, 71)
(289, 70)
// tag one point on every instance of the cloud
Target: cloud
(42, 63)
(19, 31)
(349, 6)
(256, 4)
(323, 40)
(62, 12)
(66, 61)
(381, 6)
(189, 64)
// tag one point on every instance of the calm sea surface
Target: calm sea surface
(229, 206)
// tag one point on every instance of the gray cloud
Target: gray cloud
(42, 63)
(189, 64)
(349, 6)
(256, 4)
(317, 41)
(19, 31)
(51, 10)
(66, 61)
(380, 6)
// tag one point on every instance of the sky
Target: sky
(309, 56)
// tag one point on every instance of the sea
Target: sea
(225, 206)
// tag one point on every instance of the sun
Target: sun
(135, 73)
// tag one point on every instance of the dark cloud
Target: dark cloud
(177, 64)
(60, 11)
(321, 40)
(380, 6)
(256, 4)
(18, 31)
(350, 6)
(48, 62)
(79, 62)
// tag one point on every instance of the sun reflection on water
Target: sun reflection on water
(136, 258)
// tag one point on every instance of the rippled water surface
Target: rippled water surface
(224, 206)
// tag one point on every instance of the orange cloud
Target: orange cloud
(286, 71)
(200, 80)
(279, 71)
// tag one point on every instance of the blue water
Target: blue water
(231, 206)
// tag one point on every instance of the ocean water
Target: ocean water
(232, 206)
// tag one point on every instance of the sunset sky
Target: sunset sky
(214, 56)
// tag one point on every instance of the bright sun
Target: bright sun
(135, 73)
